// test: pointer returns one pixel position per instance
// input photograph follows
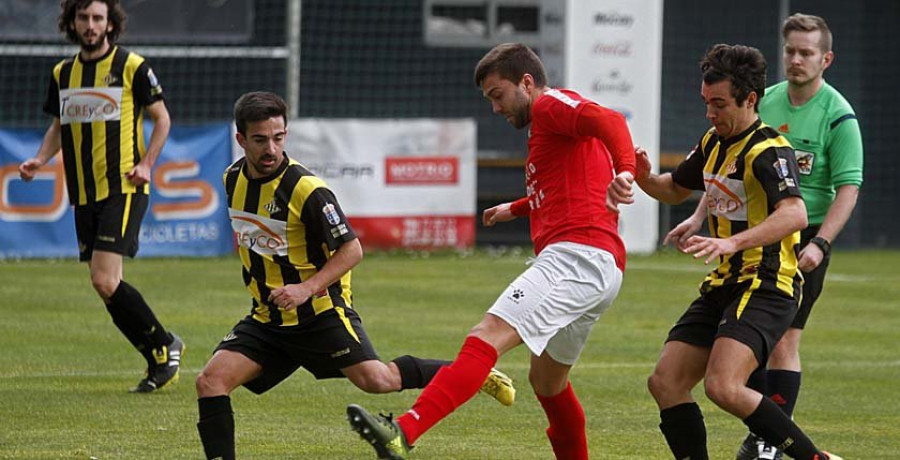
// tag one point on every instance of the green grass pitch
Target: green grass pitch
(64, 368)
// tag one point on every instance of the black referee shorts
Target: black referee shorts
(111, 225)
(755, 317)
(812, 281)
(331, 342)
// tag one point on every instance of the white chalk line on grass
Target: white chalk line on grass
(517, 366)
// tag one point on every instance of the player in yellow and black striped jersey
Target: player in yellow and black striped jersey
(297, 249)
(746, 304)
(286, 225)
(755, 163)
(97, 99)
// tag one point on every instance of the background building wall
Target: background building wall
(364, 59)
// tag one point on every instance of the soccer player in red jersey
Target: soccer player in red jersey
(580, 166)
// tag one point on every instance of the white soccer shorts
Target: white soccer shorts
(554, 304)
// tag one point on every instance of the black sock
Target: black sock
(783, 389)
(773, 425)
(131, 330)
(417, 372)
(683, 427)
(216, 427)
(131, 304)
(758, 380)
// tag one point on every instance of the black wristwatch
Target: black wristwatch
(822, 243)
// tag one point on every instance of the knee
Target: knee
(208, 384)
(378, 381)
(788, 347)
(657, 385)
(547, 385)
(722, 391)
(105, 285)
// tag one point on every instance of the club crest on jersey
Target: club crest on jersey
(152, 77)
(781, 168)
(805, 161)
(331, 214)
(731, 168)
(272, 207)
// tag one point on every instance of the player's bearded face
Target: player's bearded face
(520, 109)
(508, 99)
(91, 25)
(263, 146)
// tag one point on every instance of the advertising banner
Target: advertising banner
(186, 216)
(614, 57)
(402, 183)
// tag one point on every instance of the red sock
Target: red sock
(566, 432)
(451, 387)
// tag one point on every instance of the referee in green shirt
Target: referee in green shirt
(822, 127)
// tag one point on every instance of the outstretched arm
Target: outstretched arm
(659, 186)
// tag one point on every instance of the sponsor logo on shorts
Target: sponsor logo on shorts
(517, 295)
(229, 337)
(108, 239)
(340, 353)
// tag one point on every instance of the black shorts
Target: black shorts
(323, 347)
(110, 225)
(812, 281)
(765, 315)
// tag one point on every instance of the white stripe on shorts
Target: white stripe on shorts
(554, 304)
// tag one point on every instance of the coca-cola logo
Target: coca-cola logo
(621, 48)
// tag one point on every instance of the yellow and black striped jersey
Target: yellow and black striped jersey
(744, 176)
(100, 106)
(286, 226)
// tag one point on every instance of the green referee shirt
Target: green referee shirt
(826, 139)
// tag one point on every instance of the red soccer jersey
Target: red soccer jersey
(575, 147)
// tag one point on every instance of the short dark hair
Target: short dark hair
(511, 61)
(116, 17)
(743, 66)
(799, 22)
(258, 106)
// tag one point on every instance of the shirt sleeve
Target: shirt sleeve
(323, 216)
(51, 103)
(557, 113)
(520, 207)
(845, 152)
(610, 127)
(689, 174)
(777, 172)
(145, 86)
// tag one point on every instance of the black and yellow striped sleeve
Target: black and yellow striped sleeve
(689, 174)
(325, 220)
(777, 172)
